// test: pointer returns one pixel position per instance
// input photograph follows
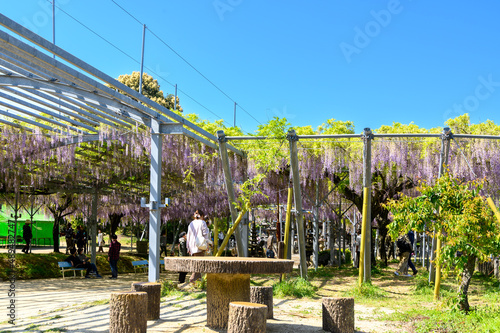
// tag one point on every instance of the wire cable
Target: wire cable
(187, 62)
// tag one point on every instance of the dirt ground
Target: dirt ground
(82, 305)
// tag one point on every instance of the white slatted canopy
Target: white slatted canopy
(65, 95)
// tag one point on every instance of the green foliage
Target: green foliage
(294, 287)
(321, 272)
(168, 288)
(366, 290)
(463, 220)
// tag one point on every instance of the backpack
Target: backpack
(403, 244)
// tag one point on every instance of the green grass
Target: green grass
(294, 287)
(44, 265)
(366, 291)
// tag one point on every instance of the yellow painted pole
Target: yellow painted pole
(230, 232)
(493, 208)
(216, 235)
(363, 237)
(438, 266)
(287, 225)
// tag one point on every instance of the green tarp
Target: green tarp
(41, 228)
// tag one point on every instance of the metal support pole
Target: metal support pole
(93, 226)
(367, 185)
(154, 202)
(316, 228)
(294, 162)
(175, 97)
(443, 162)
(54, 25)
(142, 57)
(230, 190)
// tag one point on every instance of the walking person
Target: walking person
(197, 230)
(404, 247)
(69, 234)
(358, 246)
(114, 255)
(183, 252)
(100, 240)
(80, 237)
(163, 243)
(411, 236)
(27, 235)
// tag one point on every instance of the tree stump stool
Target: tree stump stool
(127, 312)
(153, 290)
(245, 317)
(223, 289)
(338, 315)
(263, 295)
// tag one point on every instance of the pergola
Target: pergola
(44, 86)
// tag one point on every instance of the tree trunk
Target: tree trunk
(381, 242)
(114, 220)
(464, 285)
(55, 235)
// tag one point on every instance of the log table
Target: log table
(228, 280)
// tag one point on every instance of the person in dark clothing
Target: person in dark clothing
(113, 256)
(183, 252)
(163, 243)
(80, 238)
(83, 258)
(77, 263)
(27, 235)
(69, 234)
(411, 236)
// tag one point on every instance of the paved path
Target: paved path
(82, 305)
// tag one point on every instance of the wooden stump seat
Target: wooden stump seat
(228, 280)
(263, 295)
(127, 312)
(338, 315)
(153, 290)
(246, 317)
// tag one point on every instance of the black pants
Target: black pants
(26, 247)
(182, 277)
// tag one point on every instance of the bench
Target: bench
(141, 264)
(66, 266)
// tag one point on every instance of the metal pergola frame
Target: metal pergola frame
(44, 83)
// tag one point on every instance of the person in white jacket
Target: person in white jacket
(197, 228)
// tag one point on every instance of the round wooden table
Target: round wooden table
(228, 280)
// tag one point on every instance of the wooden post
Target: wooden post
(294, 161)
(153, 290)
(127, 312)
(367, 203)
(230, 189)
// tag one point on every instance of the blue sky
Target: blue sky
(371, 62)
